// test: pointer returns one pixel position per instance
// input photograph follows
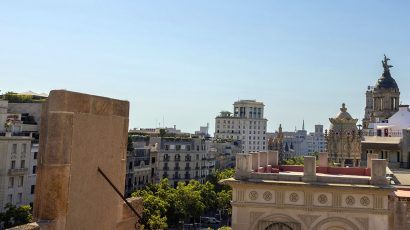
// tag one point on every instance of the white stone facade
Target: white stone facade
(182, 160)
(316, 141)
(15, 174)
(247, 124)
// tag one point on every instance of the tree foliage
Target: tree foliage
(294, 161)
(166, 206)
(15, 216)
(13, 97)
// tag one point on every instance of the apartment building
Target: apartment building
(246, 123)
(183, 159)
(18, 154)
(316, 141)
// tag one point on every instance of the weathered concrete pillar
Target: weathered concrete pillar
(79, 134)
(309, 169)
(323, 159)
(243, 166)
(273, 158)
(263, 159)
(255, 161)
(370, 157)
(378, 176)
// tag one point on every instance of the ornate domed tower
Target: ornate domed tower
(382, 100)
(343, 139)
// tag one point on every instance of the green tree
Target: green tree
(208, 194)
(13, 97)
(162, 132)
(224, 198)
(156, 205)
(225, 228)
(294, 161)
(188, 202)
(15, 216)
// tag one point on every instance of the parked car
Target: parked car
(209, 220)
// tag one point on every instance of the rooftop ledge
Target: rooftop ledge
(231, 181)
(264, 166)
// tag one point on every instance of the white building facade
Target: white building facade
(18, 156)
(316, 141)
(247, 124)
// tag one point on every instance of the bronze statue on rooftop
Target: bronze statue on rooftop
(386, 66)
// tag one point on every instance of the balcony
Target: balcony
(165, 175)
(176, 177)
(187, 168)
(203, 166)
(166, 168)
(187, 159)
(166, 159)
(177, 168)
(187, 176)
(17, 172)
(177, 159)
(197, 167)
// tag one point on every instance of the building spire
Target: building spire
(303, 125)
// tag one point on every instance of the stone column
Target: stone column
(243, 166)
(273, 158)
(323, 159)
(378, 176)
(255, 161)
(309, 169)
(263, 159)
(79, 134)
(370, 157)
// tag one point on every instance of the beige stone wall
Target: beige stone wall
(79, 134)
(305, 207)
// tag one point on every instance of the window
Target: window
(24, 148)
(35, 155)
(14, 149)
(34, 169)
(33, 188)
(19, 197)
(152, 160)
(11, 182)
(13, 165)
(22, 164)
(9, 198)
(21, 181)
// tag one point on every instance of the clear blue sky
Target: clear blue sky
(188, 60)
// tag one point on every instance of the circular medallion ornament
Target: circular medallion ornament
(293, 197)
(267, 196)
(322, 199)
(253, 195)
(350, 200)
(365, 201)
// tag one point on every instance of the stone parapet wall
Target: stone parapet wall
(80, 135)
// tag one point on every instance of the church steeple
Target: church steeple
(386, 81)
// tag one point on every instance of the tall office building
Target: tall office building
(246, 124)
